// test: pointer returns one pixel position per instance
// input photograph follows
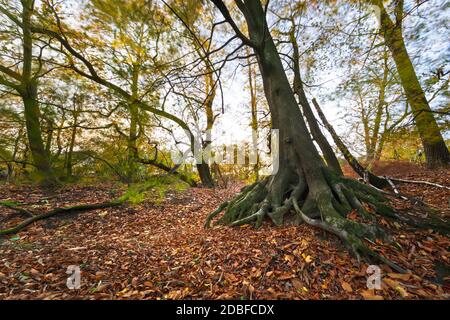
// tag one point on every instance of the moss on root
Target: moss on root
(326, 209)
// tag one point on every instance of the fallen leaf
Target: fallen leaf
(401, 276)
(346, 286)
(370, 295)
(297, 284)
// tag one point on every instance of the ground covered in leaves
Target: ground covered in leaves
(160, 250)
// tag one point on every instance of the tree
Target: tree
(25, 83)
(72, 48)
(133, 51)
(435, 149)
(319, 196)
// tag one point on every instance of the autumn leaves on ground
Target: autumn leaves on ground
(158, 249)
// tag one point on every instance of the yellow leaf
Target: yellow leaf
(346, 286)
(402, 291)
(404, 276)
(308, 259)
(370, 295)
(391, 283)
(289, 258)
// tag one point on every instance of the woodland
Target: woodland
(224, 149)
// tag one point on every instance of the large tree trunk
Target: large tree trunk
(38, 153)
(29, 93)
(435, 149)
(304, 188)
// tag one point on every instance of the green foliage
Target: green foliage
(403, 144)
(154, 189)
(10, 204)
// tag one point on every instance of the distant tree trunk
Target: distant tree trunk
(316, 133)
(133, 130)
(59, 144)
(254, 112)
(69, 165)
(435, 149)
(11, 172)
(374, 141)
(49, 141)
(204, 169)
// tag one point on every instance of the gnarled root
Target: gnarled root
(327, 207)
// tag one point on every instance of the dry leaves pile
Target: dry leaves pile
(152, 251)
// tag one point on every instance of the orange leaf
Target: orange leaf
(370, 295)
(346, 286)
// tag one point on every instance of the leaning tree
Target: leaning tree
(304, 189)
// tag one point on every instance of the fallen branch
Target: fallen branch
(418, 182)
(396, 192)
(83, 207)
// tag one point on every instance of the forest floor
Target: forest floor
(160, 250)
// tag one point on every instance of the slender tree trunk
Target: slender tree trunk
(204, 169)
(435, 149)
(49, 141)
(374, 141)
(73, 136)
(254, 113)
(133, 130)
(352, 161)
(316, 133)
(11, 172)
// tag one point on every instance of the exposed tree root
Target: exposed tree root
(78, 208)
(283, 199)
